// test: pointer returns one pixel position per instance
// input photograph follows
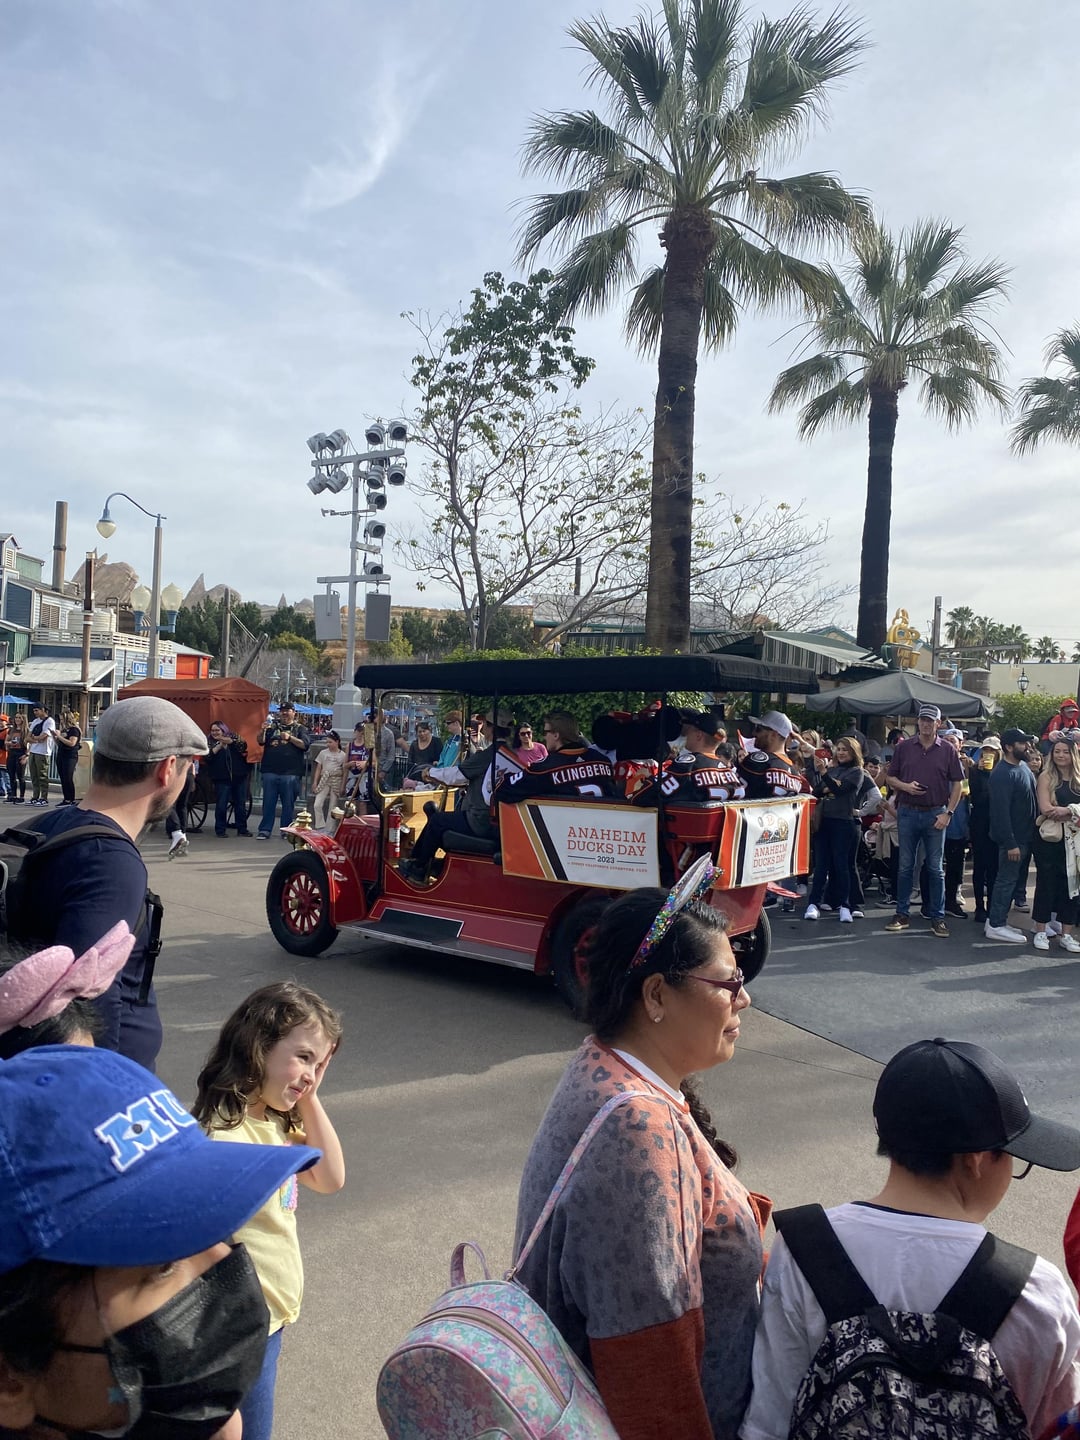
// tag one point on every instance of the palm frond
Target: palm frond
(1049, 410)
(971, 288)
(575, 143)
(928, 248)
(790, 63)
(954, 395)
(845, 403)
(557, 215)
(597, 269)
(1065, 346)
(719, 317)
(714, 39)
(804, 207)
(645, 313)
(765, 275)
(609, 71)
(647, 61)
(806, 379)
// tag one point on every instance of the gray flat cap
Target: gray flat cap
(147, 728)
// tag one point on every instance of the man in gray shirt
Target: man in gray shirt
(1012, 828)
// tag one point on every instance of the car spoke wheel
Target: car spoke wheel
(298, 904)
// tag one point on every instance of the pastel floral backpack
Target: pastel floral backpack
(486, 1363)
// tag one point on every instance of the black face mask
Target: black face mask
(184, 1369)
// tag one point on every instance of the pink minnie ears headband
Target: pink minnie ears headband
(692, 886)
(45, 983)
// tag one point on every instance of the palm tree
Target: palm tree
(696, 104)
(1050, 408)
(1013, 643)
(958, 624)
(1047, 648)
(914, 306)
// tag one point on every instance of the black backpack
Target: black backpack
(21, 849)
(898, 1375)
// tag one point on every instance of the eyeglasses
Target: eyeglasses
(732, 986)
(1025, 1172)
(524, 732)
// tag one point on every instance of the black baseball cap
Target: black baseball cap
(703, 720)
(1015, 736)
(948, 1097)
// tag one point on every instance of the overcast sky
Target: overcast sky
(216, 214)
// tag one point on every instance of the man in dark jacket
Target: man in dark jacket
(285, 746)
(1012, 829)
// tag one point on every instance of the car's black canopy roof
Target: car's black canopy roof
(556, 676)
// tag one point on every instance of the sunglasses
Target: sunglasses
(732, 986)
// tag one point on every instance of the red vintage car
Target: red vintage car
(527, 897)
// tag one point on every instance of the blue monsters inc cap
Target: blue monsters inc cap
(102, 1165)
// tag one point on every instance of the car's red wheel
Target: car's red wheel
(298, 904)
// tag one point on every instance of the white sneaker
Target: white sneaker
(1042, 940)
(856, 915)
(1070, 943)
(179, 845)
(1004, 932)
(1053, 927)
(812, 913)
(845, 915)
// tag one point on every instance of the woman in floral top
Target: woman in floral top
(651, 1261)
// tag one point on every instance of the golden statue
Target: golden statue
(904, 638)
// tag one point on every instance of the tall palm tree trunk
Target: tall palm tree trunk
(874, 566)
(688, 238)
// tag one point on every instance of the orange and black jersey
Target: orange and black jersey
(573, 772)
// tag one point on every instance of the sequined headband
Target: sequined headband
(692, 886)
(46, 982)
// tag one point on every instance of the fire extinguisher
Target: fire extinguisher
(393, 833)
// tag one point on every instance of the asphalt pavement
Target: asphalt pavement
(446, 1069)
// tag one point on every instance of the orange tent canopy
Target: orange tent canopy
(229, 700)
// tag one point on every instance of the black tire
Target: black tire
(752, 949)
(566, 957)
(298, 904)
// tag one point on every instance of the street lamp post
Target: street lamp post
(380, 466)
(106, 527)
(1022, 681)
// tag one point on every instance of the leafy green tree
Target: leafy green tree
(200, 627)
(286, 620)
(308, 652)
(914, 306)
(1050, 405)
(958, 625)
(697, 103)
(521, 485)
(398, 647)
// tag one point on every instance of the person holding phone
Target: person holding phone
(927, 778)
(285, 746)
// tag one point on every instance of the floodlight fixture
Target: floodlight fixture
(396, 474)
(397, 432)
(374, 530)
(337, 440)
(318, 443)
(375, 435)
(375, 478)
(318, 483)
(336, 480)
(373, 569)
(379, 462)
(376, 500)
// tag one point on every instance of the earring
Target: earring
(656, 1019)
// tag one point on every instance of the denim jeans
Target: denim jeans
(232, 792)
(915, 825)
(257, 1410)
(278, 787)
(1008, 872)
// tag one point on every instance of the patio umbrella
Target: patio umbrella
(900, 692)
(12, 700)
